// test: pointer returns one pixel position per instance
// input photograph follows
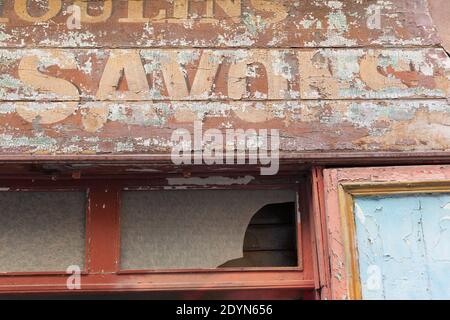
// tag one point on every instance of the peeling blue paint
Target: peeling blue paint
(404, 246)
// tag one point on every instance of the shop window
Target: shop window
(145, 235)
(203, 229)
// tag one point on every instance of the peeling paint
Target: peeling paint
(407, 244)
(213, 180)
(176, 74)
(123, 83)
(304, 126)
(252, 23)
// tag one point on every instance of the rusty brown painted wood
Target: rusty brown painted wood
(217, 23)
(63, 100)
(194, 74)
(342, 81)
(103, 229)
(440, 12)
(311, 126)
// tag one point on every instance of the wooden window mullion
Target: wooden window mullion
(103, 229)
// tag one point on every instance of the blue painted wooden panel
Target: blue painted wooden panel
(404, 246)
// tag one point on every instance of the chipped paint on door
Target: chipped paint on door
(404, 246)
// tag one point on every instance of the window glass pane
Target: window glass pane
(207, 229)
(403, 246)
(41, 231)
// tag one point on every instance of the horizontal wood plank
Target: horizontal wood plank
(146, 128)
(215, 23)
(220, 75)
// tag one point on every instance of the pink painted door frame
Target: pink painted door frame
(336, 181)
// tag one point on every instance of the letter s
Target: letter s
(63, 90)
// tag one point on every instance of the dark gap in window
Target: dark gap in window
(270, 238)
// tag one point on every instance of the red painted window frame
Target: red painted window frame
(102, 272)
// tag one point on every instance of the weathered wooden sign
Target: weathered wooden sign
(119, 76)
(215, 23)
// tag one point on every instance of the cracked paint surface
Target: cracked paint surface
(194, 74)
(440, 11)
(324, 73)
(384, 222)
(404, 246)
(304, 126)
(229, 23)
